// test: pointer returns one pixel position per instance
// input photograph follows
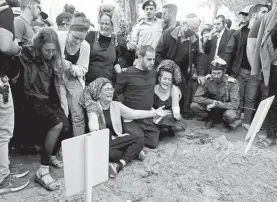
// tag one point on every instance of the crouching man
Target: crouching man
(217, 101)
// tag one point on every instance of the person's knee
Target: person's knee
(59, 126)
(152, 143)
(230, 116)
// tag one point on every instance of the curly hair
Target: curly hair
(171, 67)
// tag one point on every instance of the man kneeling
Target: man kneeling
(218, 99)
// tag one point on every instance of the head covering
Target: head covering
(62, 18)
(205, 30)
(111, 11)
(80, 21)
(172, 67)
(218, 64)
(69, 9)
(246, 10)
(96, 86)
(149, 3)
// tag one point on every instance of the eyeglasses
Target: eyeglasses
(106, 90)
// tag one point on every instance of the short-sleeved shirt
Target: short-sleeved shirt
(23, 30)
(146, 33)
(254, 31)
(6, 22)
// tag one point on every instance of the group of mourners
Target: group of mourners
(141, 85)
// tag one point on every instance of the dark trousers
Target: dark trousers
(248, 88)
(216, 114)
(271, 118)
(126, 148)
(144, 128)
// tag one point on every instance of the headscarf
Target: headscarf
(90, 98)
(63, 17)
(111, 11)
(172, 67)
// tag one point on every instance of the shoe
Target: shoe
(13, 184)
(208, 124)
(18, 170)
(236, 124)
(141, 156)
(246, 126)
(225, 128)
(114, 169)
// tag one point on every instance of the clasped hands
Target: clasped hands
(214, 104)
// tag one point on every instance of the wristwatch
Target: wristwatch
(216, 103)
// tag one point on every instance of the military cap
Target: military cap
(149, 3)
(218, 64)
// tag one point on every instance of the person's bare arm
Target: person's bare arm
(7, 45)
(93, 123)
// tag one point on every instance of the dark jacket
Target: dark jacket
(210, 46)
(31, 65)
(174, 47)
(235, 50)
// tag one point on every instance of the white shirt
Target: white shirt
(219, 35)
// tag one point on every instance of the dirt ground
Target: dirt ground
(179, 170)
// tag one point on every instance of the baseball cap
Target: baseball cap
(246, 10)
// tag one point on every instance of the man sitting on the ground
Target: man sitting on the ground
(218, 99)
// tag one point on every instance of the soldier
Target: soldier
(218, 99)
(148, 30)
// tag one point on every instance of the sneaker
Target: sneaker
(18, 170)
(114, 169)
(141, 156)
(13, 184)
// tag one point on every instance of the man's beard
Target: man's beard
(13, 3)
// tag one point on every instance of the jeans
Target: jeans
(271, 118)
(71, 91)
(6, 133)
(248, 88)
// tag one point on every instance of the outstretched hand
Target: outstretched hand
(2, 2)
(161, 112)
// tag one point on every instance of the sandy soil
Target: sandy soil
(182, 170)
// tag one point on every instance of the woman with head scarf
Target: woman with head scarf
(103, 46)
(104, 113)
(41, 64)
(75, 51)
(167, 94)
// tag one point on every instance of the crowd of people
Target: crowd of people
(141, 83)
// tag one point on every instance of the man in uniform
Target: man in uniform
(149, 29)
(218, 99)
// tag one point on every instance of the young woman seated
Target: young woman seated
(104, 113)
(167, 94)
(41, 88)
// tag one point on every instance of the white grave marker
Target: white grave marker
(258, 121)
(86, 162)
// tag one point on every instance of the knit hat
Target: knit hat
(172, 67)
(80, 21)
(62, 18)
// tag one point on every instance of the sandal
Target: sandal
(49, 186)
(55, 162)
(265, 143)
